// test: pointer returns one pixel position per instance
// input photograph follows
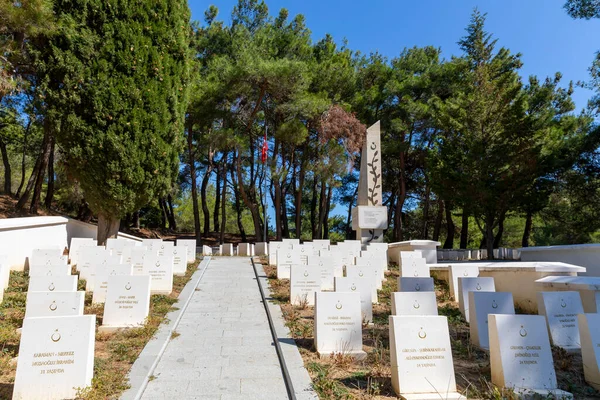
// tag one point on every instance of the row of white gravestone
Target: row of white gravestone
(56, 352)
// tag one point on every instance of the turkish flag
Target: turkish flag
(265, 149)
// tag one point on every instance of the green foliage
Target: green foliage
(115, 79)
(586, 9)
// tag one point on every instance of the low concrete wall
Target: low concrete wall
(584, 255)
(19, 236)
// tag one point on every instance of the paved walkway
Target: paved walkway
(225, 349)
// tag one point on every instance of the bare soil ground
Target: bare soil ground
(340, 377)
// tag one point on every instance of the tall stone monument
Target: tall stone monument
(369, 217)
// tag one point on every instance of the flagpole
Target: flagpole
(266, 238)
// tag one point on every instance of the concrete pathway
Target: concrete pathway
(225, 349)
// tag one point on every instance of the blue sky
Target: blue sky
(547, 37)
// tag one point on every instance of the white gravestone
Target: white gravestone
(206, 251)
(90, 257)
(135, 257)
(415, 284)
(180, 260)
(227, 249)
(102, 279)
(245, 249)
(305, 281)
(589, 331)
(54, 304)
(260, 249)
(372, 256)
(421, 358)
(334, 258)
(381, 248)
(40, 261)
(483, 304)
(338, 324)
(414, 267)
(466, 285)
(67, 283)
(327, 270)
(161, 271)
(4, 273)
(414, 303)
(291, 242)
(98, 266)
(116, 245)
(39, 256)
(127, 302)
(190, 245)
(376, 263)
(462, 271)
(370, 274)
(560, 310)
(75, 245)
(321, 244)
(273, 247)
(304, 251)
(285, 259)
(50, 270)
(362, 286)
(164, 248)
(56, 357)
(152, 244)
(520, 355)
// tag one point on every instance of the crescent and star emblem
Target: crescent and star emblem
(422, 334)
(523, 331)
(53, 306)
(51, 287)
(55, 336)
(353, 288)
(478, 287)
(416, 305)
(373, 146)
(494, 304)
(305, 273)
(418, 287)
(338, 305)
(128, 286)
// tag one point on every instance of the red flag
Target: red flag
(265, 149)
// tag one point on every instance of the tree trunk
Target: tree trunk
(424, 231)
(163, 209)
(327, 209)
(286, 229)
(489, 235)
(298, 194)
(50, 188)
(171, 214)
(464, 229)
(192, 166)
(37, 188)
(322, 200)
(108, 227)
(449, 243)
(498, 238)
(398, 229)
(217, 199)
(277, 206)
(437, 227)
(136, 220)
(23, 159)
(527, 231)
(238, 208)
(205, 210)
(313, 209)
(349, 216)
(7, 170)
(223, 205)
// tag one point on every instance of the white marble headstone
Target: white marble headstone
(66, 283)
(180, 259)
(462, 271)
(190, 245)
(466, 285)
(116, 245)
(152, 244)
(76, 245)
(54, 304)
(227, 249)
(589, 332)
(161, 271)
(483, 304)
(328, 270)
(206, 251)
(362, 286)
(371, 274)
(50, 270)
(285, 259)
(338, 324)
(135, 257)
(163, 248)
(260, 249)
(127, 302)
(40, 261)
(414, 303)
(102, 276)
(415, 284)
(520, 355)
(305, 280)
(414, 268)
(560, 310)
(333, 258)
(98, 266)
(421, 357)
(56, 356)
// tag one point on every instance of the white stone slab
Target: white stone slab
(362, 286)
(414, 268)
(369, 273)
(481, 305)
(411, 284)
(463, 271)
(369, 217)
(305, 281)
(191, 245)
(164, 248)
(88, 256)
(76, 245)
(305, 250)
(261, 249)
(135, 257)
(116, 245)
(50, 270)
(466, 285)
(56, 356)
(180, 259)
(520, 354)
(273, 247)
(127, 302)
(245, 249)
(105, 261)
(54, 304)
(40, 261)
(328, 270)
(333, 257)
(39, 256)
(560, 310)
(338, 324)
(102, 276)
(285, 259)
(321, 244)
(4, 274)
(376, 263)
(414, 303)
(227, 249)
(207, 251)
(152, 244)
(589, 331)
(67, 283)
(161, 271)
(291, 242)
(421, 357)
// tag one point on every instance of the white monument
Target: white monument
(466, 285)
(127, 302)
(305, 281)
(411, 284)
(561, 309)
(362, 286)
(414, 303)
(483, 304)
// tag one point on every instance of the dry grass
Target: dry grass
(338, 377)
(114, 352)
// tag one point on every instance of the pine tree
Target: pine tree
(114, 79)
